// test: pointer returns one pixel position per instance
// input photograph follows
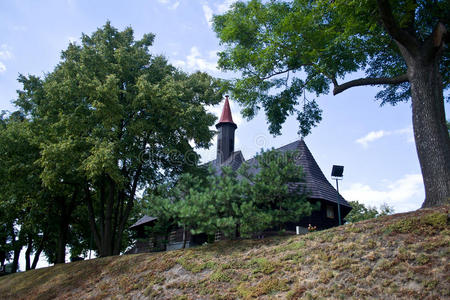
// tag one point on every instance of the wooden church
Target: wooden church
(316, 186)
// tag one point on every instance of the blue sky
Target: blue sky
(375, 144)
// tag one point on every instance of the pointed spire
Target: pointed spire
(226, 116)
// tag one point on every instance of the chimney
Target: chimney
(225, 138)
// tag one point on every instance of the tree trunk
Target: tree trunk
(15, 263)
(62, 239)
(237, 231)
(28, 253)
(39, 250)
(430, 130)
(107, 241)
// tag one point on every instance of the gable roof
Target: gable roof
(143, 221)
(234, 161)
(315, 183)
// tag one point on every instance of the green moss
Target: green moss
(220, 276)
(422, 259)
(325, 276)
(191, 265)
(383, 265)
(293, 245)
(264, 287)
(263, 265)
(427, 224)
(430, 284)
(341, 263)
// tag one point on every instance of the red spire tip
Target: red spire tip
(226, 113)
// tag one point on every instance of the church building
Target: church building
(315, 185)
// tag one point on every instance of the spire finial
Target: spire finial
(226, 116)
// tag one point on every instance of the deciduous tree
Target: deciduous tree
(115, 119)
(286, 48)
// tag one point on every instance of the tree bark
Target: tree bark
(15, 263)
(430, 130)
(39, 250)
(62, 240)
(28, 252)
(427, 96)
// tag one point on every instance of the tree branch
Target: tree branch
(275, 74)
(400, 35)
(368, 81)
(439, 34)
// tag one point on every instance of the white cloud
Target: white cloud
(208, 12)
(19, 28)
(404, 194)
(2, 67)
(5, 52)
(370, 137)
(195, 61)
(224, 6)
(72, 39)
(376, 135)
(218, 9)
(179, 63)
(174, 5)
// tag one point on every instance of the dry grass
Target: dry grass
(401, 256)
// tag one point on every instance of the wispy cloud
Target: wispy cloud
(224, 6)
(376, 135)
(5, 54)
(195, 61)
(208, 13)
(172, 5)
(218, 8)
(399, 193)
(19, 28)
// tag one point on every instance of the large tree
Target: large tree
(114, 119)
(285, 48)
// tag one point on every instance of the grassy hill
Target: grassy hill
(399, 256)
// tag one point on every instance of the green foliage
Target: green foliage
(287, 49)
(360, 212)
(233, 202)
(277, 187)
(112, 119)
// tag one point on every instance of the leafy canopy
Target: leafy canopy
(112, 119)
(361, 212)
(286, 49)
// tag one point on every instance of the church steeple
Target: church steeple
(225, 138)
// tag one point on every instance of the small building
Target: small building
(316, 186)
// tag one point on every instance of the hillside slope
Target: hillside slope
(399, 256)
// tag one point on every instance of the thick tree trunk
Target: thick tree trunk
(430, 130)
(62, 240)
(107, 239)
(15, 263)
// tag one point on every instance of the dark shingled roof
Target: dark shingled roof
(234, 161)
(142, 221)
(316, 184)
